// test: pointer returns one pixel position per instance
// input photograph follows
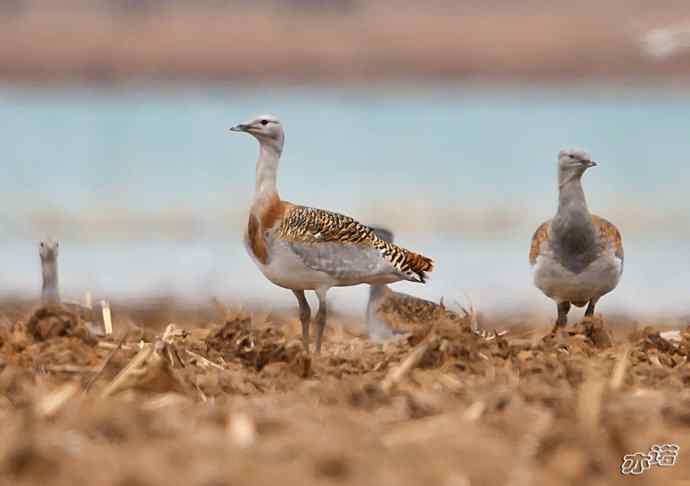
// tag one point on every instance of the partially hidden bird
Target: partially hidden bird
(389, 312)
(95, 319)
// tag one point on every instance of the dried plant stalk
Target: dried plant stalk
(107, 319)
(618, 374)
(119, 380)
(395, 376)
(50, 404)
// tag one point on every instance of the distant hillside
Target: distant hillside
(342, 40)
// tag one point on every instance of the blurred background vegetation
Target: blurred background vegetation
(440, 119)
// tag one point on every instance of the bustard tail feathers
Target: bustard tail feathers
(418, 266)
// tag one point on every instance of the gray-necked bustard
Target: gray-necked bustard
(389, 312)
(577, 257)
(302, 248)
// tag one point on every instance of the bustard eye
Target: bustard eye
(264, 122)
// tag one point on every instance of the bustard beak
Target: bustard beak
(591, 163)
(241, 127)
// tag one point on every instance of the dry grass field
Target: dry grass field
(228, 397)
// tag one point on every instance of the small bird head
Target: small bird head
(573, 162)
(267, 129)
(383, 233)
(48, 249)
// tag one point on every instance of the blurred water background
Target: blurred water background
(148, 192)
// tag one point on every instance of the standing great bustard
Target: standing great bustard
(301, 248)
(577, 257)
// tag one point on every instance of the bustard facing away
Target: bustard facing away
(390, 312)
(302, 248)
(95, 319)
(576, 257)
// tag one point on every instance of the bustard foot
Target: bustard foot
(559, 333)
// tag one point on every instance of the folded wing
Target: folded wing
(346, 249)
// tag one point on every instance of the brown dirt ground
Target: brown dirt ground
(224, 398)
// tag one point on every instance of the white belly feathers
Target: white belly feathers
(598, 278)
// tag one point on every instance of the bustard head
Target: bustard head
(48, 250)
(267, 129)
(572, 163)
(383, 233)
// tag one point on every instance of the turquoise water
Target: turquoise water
(148, 191)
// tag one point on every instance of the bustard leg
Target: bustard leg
(304, 317)
(562, 320)
(321, 317)
(590, 308)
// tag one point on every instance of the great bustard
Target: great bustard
(97, 319)
(302, 248)
(390, 312)
(577, 257)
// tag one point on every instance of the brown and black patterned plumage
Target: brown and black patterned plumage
(390, 312)
(310, 225)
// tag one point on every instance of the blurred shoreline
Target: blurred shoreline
(148, 193)
(343, 42)
(99, 223)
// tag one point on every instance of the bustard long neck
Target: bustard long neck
(572, 226)
(571, 199)
(376, 327)
(377, 291)
(50, 292)
(267, 169)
